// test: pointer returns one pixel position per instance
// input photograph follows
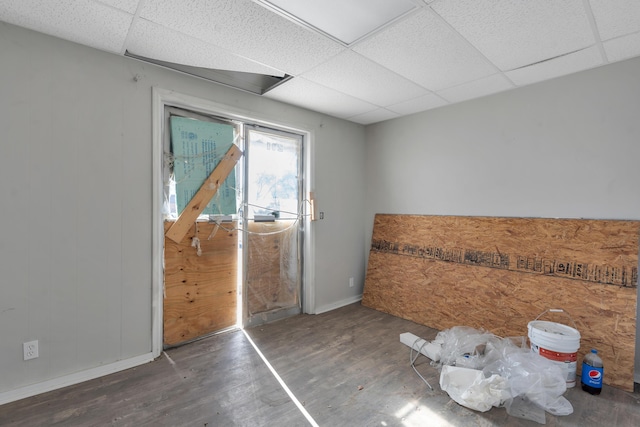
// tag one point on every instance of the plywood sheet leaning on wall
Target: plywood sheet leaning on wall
(272, 271)
(200, 291)
(501, 273)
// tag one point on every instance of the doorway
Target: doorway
(241, 262)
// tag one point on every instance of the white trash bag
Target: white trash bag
(471, 389)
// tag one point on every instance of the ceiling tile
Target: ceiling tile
(357, 76)
(346, 21)
(513, 34)
(476, 89)
(622, 47)
(425, 50)
(578, 61)
(247, 29)
(182, 49)
(304, 93)
(616, 18)
(129, 6)
(81, 21)
(374, 116)
(415, 105)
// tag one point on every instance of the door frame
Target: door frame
(163, 97)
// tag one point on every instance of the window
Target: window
(195, 144)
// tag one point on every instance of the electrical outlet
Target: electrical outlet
(351, 282)
(30, 350)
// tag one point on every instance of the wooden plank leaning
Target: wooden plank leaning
(207, 190)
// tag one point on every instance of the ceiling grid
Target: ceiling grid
(345, 59)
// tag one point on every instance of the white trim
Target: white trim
(338, 304)
(189, 102)
(309, 283)
(309, 253)
(75, 378)
(157, 249)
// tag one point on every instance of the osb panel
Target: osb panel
(272, 271)
(200, 291)
(501, 273)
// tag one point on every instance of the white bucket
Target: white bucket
(558, 343)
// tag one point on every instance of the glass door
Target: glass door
(273, 221)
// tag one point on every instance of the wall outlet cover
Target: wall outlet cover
(30, 350)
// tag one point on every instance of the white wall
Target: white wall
(76, 196)
(565, 148)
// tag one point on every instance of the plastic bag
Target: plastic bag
(471, 389)
(463, 346)
(522, 407)
(535, 378)
(532, 384)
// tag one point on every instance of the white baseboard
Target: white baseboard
(75, 378)
(337, 304)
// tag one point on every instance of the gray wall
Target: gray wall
(565, 148)
(76, 196)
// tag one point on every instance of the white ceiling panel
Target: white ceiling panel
(247, 29)
(623, 47)
(374, 116)
(616, 18)
(415, 105)
(578, 61)
(346, 21)
(129, 6)
(81, 21)
(304, 93)
(476, 89)
(513, 34)
(357, 76)
(425, 50)
(182, 49)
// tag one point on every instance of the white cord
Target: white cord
(412, 359)
(214, 231)
(299, 216)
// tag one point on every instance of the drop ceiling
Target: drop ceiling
(365, 61)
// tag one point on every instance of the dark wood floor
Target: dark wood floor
(346, 367)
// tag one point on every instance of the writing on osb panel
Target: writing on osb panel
(618, 275)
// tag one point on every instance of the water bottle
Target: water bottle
(592, 372)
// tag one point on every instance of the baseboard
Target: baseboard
(75, 378)
(338, 304)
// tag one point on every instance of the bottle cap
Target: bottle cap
(594, 351)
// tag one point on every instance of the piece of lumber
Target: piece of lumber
(207, 190)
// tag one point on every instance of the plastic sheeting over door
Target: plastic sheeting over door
(273, 279)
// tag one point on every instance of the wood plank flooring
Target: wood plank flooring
(347, 367)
